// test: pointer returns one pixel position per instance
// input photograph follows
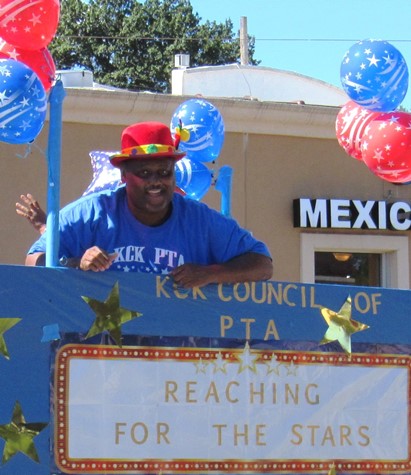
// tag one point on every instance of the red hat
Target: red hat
(146, 141)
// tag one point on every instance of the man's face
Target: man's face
(150, 185)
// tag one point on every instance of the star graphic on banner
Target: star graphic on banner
(201, 366)
(341, 326)
(220, 364)
(109, 315)
(19, 435)
(332, 470)
(247, 361)
(291, 368)
(6, 324)
(273, 366)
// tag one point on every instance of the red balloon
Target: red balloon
(352, 121)
(386, 147)
(40, 61)
(29, 24)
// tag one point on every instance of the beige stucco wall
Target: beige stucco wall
(278, 151)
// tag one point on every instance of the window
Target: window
(382, 260)
(348, 268)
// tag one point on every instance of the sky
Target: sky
(310, 37)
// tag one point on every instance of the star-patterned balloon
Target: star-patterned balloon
(19, 435)
(6, 324)
(193, 177)
(374, 74)
(205, 127)
(105, 176)
(341, 326)
(386, 147)
(109, 315)
(29, 25)
(351, 123)
(40, 61)
(23, 103)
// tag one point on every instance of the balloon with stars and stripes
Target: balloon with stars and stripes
(374, 74)
(29, 24)
(23, 103)
(40, 61)
(204, 129)
(386, 147)
(193, 177)
(352, 121)
(105, 176)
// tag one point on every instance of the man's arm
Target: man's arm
(94, 259)
(36, 259)
(248, 267)
(39, 259)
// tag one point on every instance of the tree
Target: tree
(130, 44)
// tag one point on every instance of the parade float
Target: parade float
(125, 373)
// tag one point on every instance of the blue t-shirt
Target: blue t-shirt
(194, 233)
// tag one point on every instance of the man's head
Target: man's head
(147, 161)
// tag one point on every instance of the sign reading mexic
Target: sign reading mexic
(351, 214)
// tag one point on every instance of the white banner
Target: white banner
(190, 409)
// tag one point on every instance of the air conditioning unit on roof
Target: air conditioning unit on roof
(75, 78)
(182, 61)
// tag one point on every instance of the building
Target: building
(293, 185)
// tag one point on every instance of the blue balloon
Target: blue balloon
(194, 178)
(23, 103)
(205, 126)
(374, 74)
(105, 175)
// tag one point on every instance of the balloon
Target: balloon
(386, 147)
(23, 103)
(374, 74)
(202, 136)
(223, 184)
(193, 177)
(105, 176)
(29, 24)
(352, 121)
(40, 61)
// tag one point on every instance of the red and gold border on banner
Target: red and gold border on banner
(182, 354)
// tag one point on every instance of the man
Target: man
(145, 226)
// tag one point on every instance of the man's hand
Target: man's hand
(32, 211)
(193, 275)
(248, 267)
(96, 260)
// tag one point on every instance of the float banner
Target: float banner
(155, 409)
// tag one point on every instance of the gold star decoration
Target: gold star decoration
(109, 315)
(341, 326)
(19, 435)
(6, 324)
(332, 470)
(247, 361)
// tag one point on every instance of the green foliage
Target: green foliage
(131, 44)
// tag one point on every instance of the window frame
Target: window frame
(394, 252)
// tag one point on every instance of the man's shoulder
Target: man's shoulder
(101, 199)
(189, 204)
(199, 210)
